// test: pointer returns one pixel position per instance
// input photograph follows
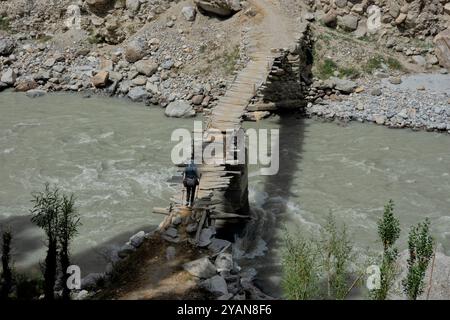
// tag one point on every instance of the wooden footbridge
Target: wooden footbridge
(223, 191)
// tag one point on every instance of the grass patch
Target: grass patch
(326, 68)
(4, 24)
(377, 62)
(230, 59)
(95, 39)
(350, 72)
(394, 64)
(373, 63)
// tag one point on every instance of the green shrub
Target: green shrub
(337, 253)
(389, 232)
(300, 264)
(420, 245)
(230, 59)
(4, 24)
(326, 68)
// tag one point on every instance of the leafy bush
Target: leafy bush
(300, 277)
(389, 232)
(420, 245)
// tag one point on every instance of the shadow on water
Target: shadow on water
(272, 215)
(29, 243)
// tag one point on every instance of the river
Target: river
(115, 157)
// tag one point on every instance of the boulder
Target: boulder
(420, 60)
(379, 119)
(395, 80)
(137, 94)
(35, 93)
(345, 86)
(201, 268)
(216, 285)
(330, 19)
(9, 77)
(91, 280)
(197, 99)
(146, 67)
(447, 8)
(189, 13)
(81, 295)
(205, 236)
(171, 232)
(133, 5)
(25, 84)
(7, 46)
(100, 79)
(341, 3)
(442, 48)
(135, 50)
(137, 239)
(223, 8)
(224, 262)
(179, 109)
(125, 250)
(100, 6)
(348, 22)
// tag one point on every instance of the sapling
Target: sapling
(389, 232)
(420, 246)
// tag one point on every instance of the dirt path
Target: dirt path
(275, 30)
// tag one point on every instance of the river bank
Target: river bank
(417, 101)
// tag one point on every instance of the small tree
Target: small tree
(67, 229)
(420, 245)
(389, 232)
(300, 269)
(7, 275)
(45, 213)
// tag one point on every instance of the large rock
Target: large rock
(216, 285)
(146, 67)
(133, 5)
(179, 109)
(345, 86)
(137, 239)
(224, 262)
(35, 93)
(205, 236)
(223, 8)
(6, 46)
(25, 84)
(330, 19)
(189, 13)
(348, 22)
(91, 280)
(9, 77)
(135, 50)
(100, 6)
(100, 79)
(442, 49)
(138, 94)
(202, 268)
(126, 250)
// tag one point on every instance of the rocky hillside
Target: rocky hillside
(157, 51)
(185, 53)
